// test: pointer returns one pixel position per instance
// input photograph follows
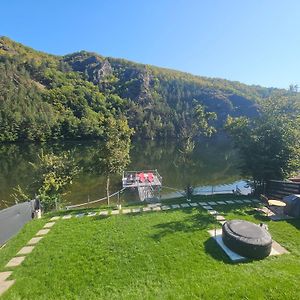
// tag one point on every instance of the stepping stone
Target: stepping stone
(115, 212)
(91, 214)
(49, 225)
(212, 212)
(202, 203)
(154, 205)
(54, 218)
(103, 213)
(220, 218)
(43, 231)
(147, 208)
(5, 275)
(207, 207)
(184, 205)
(34, 240)
(212, 203)
(247, 201)
(136, 210)
(221, 202)
(175, 206)
(126, 211)
(5, 285)
(239, 201)
(16, 261)
(67, 217)
(255, 201)
(222, 222)
(80, 215)
(229, 202)
(194, 204)
(26, 250)
(165, 207)
(156, 208)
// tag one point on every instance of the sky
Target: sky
(251, 41)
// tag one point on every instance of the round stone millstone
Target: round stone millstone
(247, 239)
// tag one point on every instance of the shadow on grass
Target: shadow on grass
(294, 222)
(214, 250)
(189, 224)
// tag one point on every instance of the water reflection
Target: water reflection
(214, 163)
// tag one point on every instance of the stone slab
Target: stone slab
(5, 285)
(136, 210)
(49, 225)
(157, 208)
(202, 203)
(66, 217)
(43, 231)
(115, 212)
(221, 202)
(212, 203)
(34, 240)
(184, 205)
(207, 207)
(239, 201)
(103, 213)
(194, 204)
(16, 261)
(91, 214)
(154, 205)
(5, 275)
(217, 236)
(255, 200)
(247, 201)
(166, 207)
(220, 218)
(212, 212)
(147, 208)
(80, 215)
(229, 202)
(174, 206)
(126, 211)
(26, 250)
(54, 218)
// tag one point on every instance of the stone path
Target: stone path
(21, 255)
(209, 206)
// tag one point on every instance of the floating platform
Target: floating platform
(136, 179)
(147, 182)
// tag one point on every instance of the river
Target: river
(213, 168)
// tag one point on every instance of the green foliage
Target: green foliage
(53, 174)
(46, 97)
(269, 144)
(113, 156)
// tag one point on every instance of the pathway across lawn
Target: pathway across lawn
(162, 254)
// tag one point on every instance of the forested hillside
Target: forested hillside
(45, 97)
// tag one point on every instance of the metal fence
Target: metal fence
(12, 219)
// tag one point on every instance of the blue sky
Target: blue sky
(254, 41)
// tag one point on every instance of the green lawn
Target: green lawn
(159, 255)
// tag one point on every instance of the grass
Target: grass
(162, 255)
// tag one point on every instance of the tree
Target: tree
(269, 145)
(114, 156)
(53, 173)
(200, 120)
